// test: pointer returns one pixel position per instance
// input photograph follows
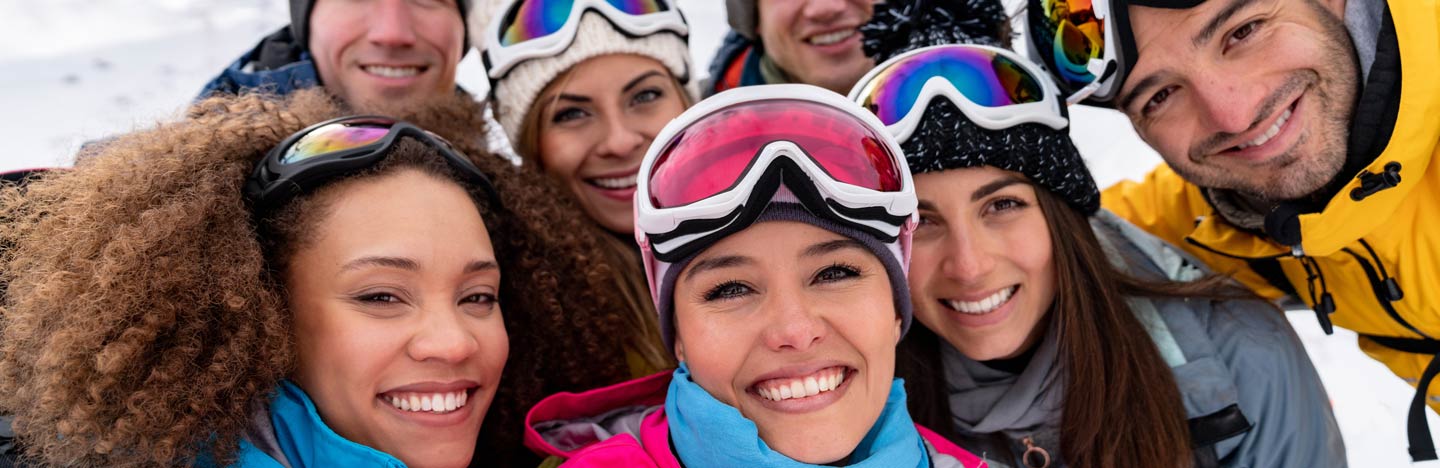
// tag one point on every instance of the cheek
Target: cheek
(1031, 249)
(494, 347)
(562, 151)
(444, 30)
(714, 353)
(925, 261)
(336, 346)
(670, 107)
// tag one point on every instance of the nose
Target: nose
(824, 10)
(622, 139)
(392, 24)
(440, 337)
(968, 257)
(794, 324)
(1229, 104)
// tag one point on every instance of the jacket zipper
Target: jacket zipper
(1381, 291)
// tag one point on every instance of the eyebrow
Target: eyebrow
(572, 97)
(636, 82)
(481, 265)
(715, 263)
(831, 246)
(1220, 18)
(1198, 41)
(1149, 82)
(411, 265)
(386, 262)
(995, 186)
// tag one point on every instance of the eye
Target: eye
(378, 298)
(568, 114)
(836, 272)
(727, 290)
(1243, 32)
(1006, 204)
(1156, 100)
(646, 96)
(486, 301)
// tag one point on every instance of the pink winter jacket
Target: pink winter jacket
(624, 425)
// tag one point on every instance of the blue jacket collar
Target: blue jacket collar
(303, 440)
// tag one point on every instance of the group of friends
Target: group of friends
(866, 239)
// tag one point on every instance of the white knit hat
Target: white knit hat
(516, 92)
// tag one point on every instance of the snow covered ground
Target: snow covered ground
(76, 70)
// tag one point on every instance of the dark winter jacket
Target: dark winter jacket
(277, 64)
(736, 64)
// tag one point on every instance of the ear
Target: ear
(898, 335)
(679, 350)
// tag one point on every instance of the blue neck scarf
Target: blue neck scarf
(708, 433)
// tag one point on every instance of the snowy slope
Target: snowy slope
(76, 70)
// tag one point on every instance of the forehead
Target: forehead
(607, 73)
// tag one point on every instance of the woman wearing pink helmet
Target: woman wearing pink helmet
(775, 226)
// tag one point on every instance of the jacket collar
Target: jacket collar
(303, 440)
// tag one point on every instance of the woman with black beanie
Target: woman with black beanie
(1054, 333)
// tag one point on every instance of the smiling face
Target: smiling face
(397, 329)
(374, 52)
(817, 41)
(795, 326)
(1249, 96)
(982, 276)
(595, 123)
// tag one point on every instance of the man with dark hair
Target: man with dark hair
(792, 41)
(818, 42)
(1299, 137)
(362, 51)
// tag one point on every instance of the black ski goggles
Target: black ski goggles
(333, 148)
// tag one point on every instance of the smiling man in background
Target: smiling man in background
(366, 52)
(1300, 139)
(792, 41)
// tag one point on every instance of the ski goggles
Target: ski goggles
(995, 88)
(1083, 43)
(543, 28)
(713, 169)
(333, 148)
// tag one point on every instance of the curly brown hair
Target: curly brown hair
(143, 323)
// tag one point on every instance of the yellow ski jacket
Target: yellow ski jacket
(1374, 247)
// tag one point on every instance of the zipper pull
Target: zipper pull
(1323, 311)
(1034, 457)
(1372, 183)
(1392, 290)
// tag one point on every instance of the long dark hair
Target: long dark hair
(1122, 405)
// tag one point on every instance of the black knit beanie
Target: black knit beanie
(946, 138)
(300, 22)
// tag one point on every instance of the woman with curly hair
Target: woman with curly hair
(156, 315)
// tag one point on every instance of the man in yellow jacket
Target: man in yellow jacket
(1299, 137)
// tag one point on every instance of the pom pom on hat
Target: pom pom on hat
(901, 26)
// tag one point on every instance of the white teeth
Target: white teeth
(615, 182)
(437, 403)
(831, 38)
(392, 72)
(984, 305)
(801, 387)
(1274, 129)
